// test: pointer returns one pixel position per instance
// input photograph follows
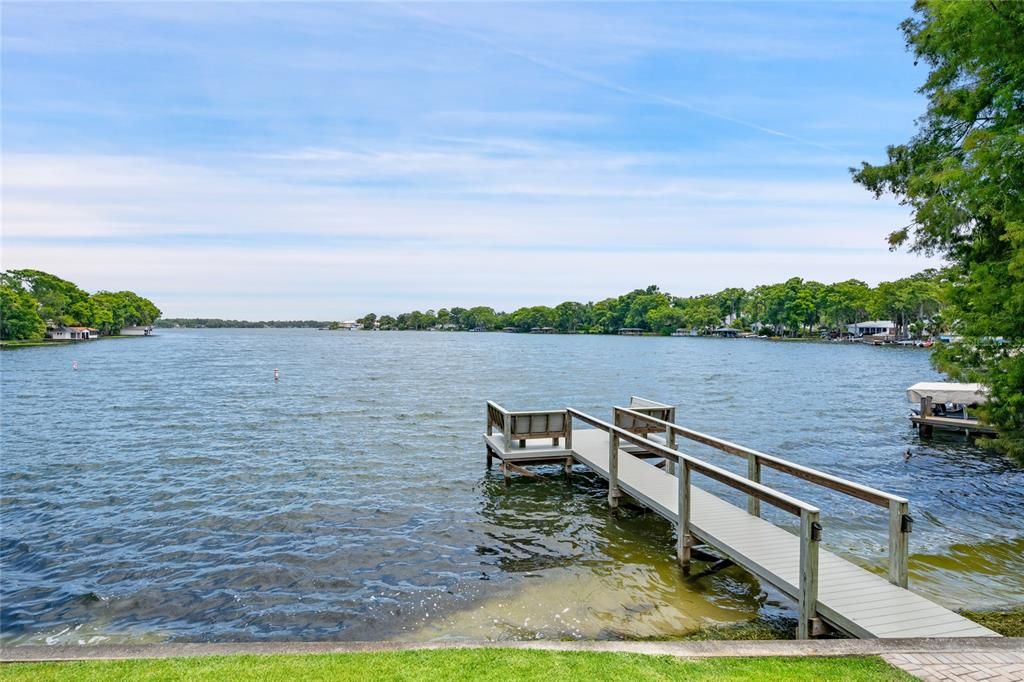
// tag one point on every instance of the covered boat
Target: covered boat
(944, 405)
(946, 392)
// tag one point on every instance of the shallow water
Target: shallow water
(170, 489)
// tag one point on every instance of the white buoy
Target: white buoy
(277, 375)
(74, 364)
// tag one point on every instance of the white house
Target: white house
(873, 328)
(72, 333)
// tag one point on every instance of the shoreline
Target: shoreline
(1008, 621)
(655, 335)
(11, 345)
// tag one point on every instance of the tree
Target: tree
(638, 303)
(702, 313)
(666, 319)
(962, 175)
(19, 315)
(456, 316)
(114, 310)
(480, 316)
(57, 297)
(730, 301)
(526, 319)
(571, 316)
(844, 303)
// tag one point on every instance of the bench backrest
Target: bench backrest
(644, 406)
(529, 425)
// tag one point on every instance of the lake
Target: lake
(169, 489)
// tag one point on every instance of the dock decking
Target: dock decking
(850, 598)
(968, 426)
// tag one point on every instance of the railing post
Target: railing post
(683, 538)
(670, 442)
(754, 474)
(925, 429)
(490, 431)
(613, 470)
(899, 541)
(810, 536)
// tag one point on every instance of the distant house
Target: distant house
(727, 332)
(137, 331)
(72, 333)
(873, 328)
(543, 330)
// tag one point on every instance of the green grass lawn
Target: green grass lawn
(461, 664)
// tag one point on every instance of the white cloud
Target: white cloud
(571, 199)
(289, 283)
(214, 241)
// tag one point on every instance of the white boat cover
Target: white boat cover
(943, 392)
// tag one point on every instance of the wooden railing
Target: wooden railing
(810, 516)
(900, 521)
(646, 407)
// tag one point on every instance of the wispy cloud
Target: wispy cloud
(645, 96)
(572, 204)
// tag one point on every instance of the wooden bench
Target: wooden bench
(509, 436)
(622, 418)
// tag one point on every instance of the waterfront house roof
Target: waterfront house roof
(875, 323)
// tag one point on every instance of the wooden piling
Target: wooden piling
(684, 541)
(613, 471)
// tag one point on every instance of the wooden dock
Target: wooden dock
(963, 395)
(829, 590)
(971, 427)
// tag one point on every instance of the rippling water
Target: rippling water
(170, 489)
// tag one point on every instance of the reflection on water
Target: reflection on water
(169, 489)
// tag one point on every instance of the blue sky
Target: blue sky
(324, 160)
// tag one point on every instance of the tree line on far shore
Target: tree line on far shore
(218, 323)
(31, 301)
(792, 308)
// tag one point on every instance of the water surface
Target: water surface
(170, 489)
